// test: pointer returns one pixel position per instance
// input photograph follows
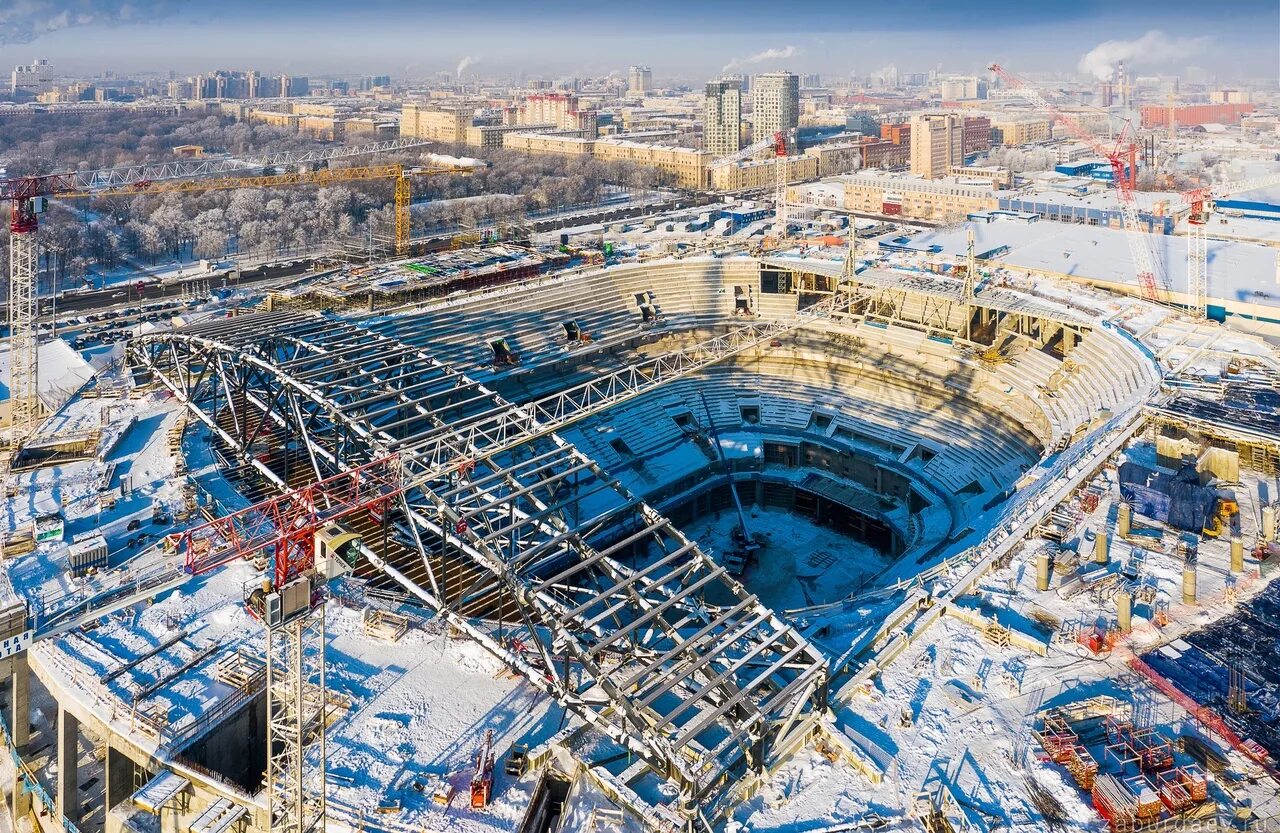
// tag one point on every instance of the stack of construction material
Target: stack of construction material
(1057, 739)
(1192, 778)
(1082, 767)
(1172, 793)
(1116, 803)
(1149, 804)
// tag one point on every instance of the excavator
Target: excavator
(1225, 511)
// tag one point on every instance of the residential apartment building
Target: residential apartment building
(764, 173)
(960, 88)
(879, 192)
(722, 117)
(441, 124)
(686, 166)
(560, 109)
(1020, 130)
(31, 79)
(639, 81)
(490, 136)
(937, 144)
(775, 103)
(977, 135)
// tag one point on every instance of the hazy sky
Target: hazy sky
(688, 39)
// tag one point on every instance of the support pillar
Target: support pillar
(68, 766)
(121, 778)
(1268, 532)
(1124, 611)
(19, 799)
(1101, 553)
(1189, 582)
(1237, 554)
(1042, 571)
(1124, 517)
(20, 702)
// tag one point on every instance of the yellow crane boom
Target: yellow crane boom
(399, 174)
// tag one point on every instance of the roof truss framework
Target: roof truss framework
(625, 620)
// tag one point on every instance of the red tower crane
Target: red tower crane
(1123, 159)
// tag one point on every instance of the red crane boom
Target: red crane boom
(285, 525)
(1123, 158)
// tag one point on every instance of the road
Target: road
(93, 301)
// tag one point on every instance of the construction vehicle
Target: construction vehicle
(745, 544)
(482, 781)
(1225, 512)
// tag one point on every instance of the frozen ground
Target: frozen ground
(801, 563)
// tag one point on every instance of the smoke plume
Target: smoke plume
(1155, 47)
(463, 64)
(22, 21)
(759, 57)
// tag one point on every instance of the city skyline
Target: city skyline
(571, 38)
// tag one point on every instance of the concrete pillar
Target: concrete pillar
(1101, 552)
(119, 776)
(1124, 611)
(20, 702)
(1237, 554)
(1042, 571)
(1124, 517)
(68, 766)
(1189, 582)
(19, 800)
(1268, 523)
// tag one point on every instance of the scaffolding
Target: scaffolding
(23, 374)
(296, 710)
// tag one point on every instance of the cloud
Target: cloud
(22, 21)
(464, 63)
(1155, 47)
(760, 57)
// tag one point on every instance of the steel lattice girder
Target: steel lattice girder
(697, 690)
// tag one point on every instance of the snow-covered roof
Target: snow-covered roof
(62, 372)
(1238, 271)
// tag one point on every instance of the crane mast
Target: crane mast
(1202, 203)
(27, 197)
(1122, 172)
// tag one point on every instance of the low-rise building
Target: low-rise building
(763, 173)
(1019, 130)
(554, 143)
(686, 166)
(894, 194)
(490, 136)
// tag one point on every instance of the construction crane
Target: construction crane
(1202, 202)
(28, 198)
(780, 184)
(749, 152)
(300, 534)
(1123, 160)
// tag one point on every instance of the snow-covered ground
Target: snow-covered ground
(953, 709)
(801, 563)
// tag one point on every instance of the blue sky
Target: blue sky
(679, 38)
